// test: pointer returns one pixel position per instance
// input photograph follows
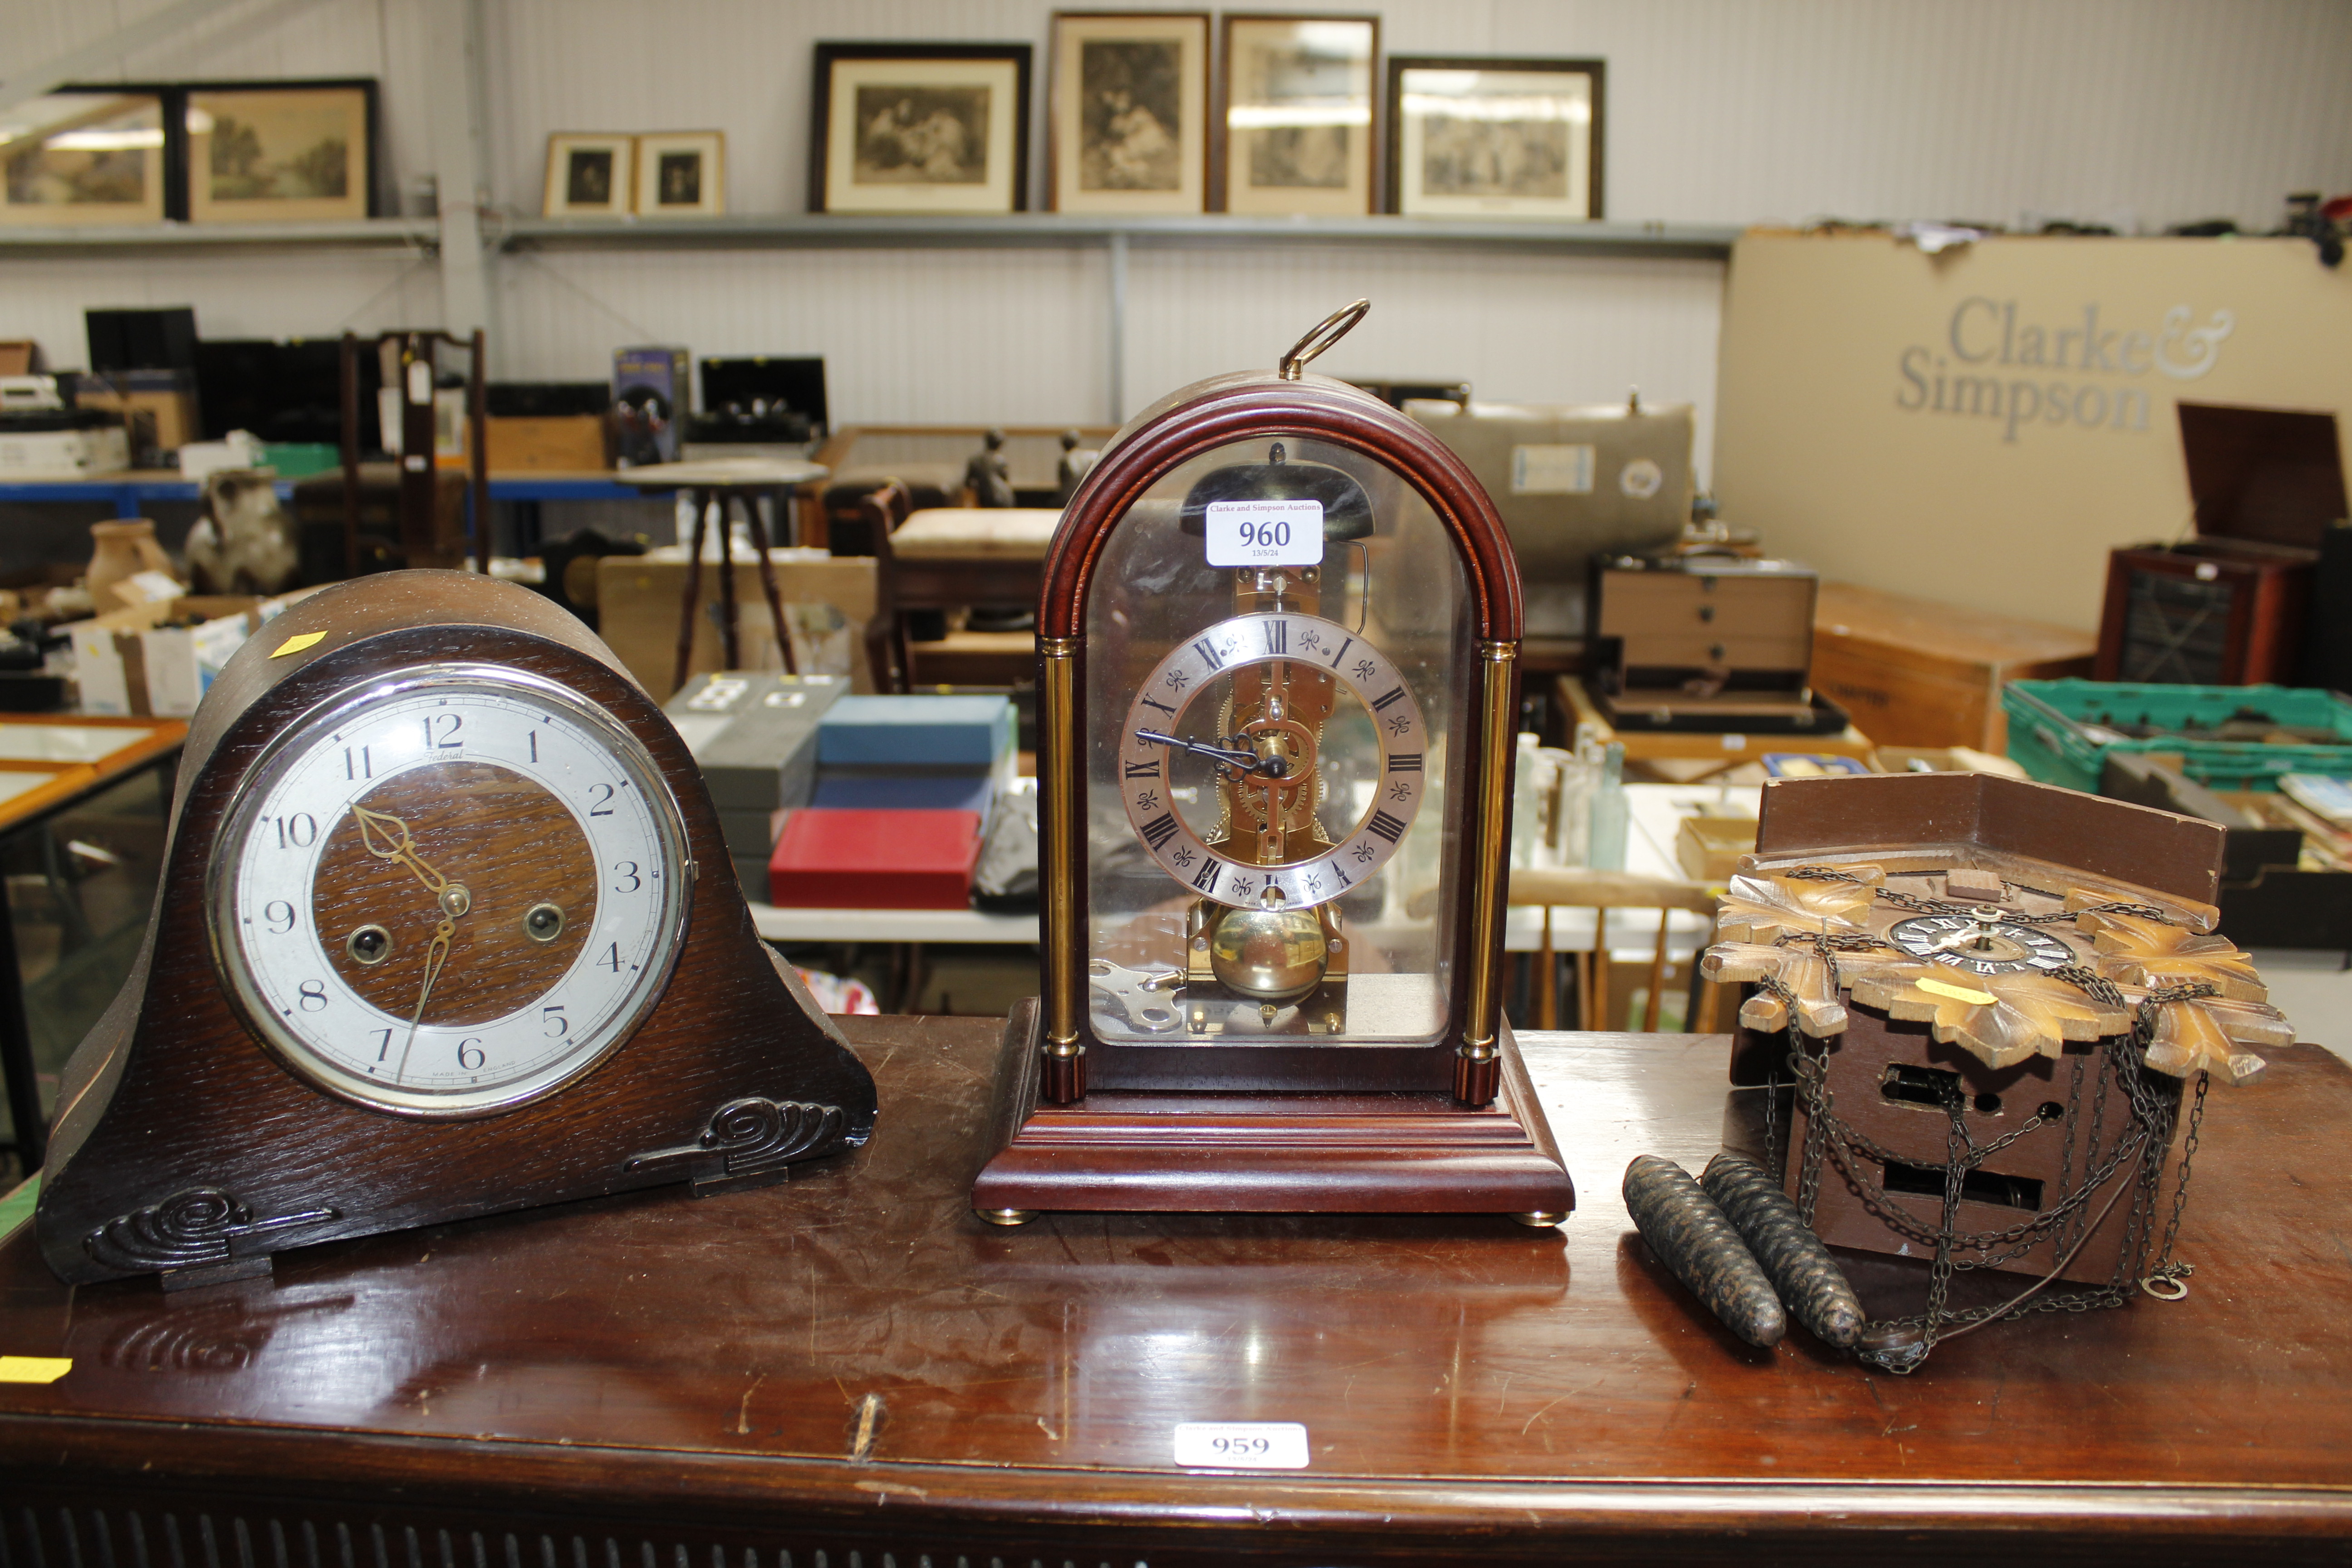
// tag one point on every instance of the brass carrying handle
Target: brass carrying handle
(1329, 330)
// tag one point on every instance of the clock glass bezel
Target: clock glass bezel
(645, 800)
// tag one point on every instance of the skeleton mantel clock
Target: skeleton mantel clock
(447, 927)
(1278, 688)
(1998, 1006)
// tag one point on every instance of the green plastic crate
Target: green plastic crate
(301, 459)
(2052, 734)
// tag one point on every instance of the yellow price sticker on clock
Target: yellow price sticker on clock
(34, 1368)
(297, 644)
(1956, 992)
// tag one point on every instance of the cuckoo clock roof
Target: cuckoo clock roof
(2036, 834)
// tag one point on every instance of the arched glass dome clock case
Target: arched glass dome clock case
(1277, 689)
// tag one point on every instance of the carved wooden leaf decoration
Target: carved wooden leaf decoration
(1758, 907)
(2137, 950)
(1820, 1010)
(1820, 1013)
(2001, 1019)
(2211, 1033)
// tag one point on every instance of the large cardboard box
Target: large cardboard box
(637, 615)
(1984, 425)
(134, 662)
(566, 443)
(164, 400)
(1913, 673)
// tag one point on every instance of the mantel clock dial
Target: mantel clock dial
(446, 928)
(1278, 694)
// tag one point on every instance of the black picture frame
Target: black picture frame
(1400, 199)
(832, 55)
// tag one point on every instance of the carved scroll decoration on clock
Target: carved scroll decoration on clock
(191, 1227)
(751, 1136)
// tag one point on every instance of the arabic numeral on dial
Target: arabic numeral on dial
(357, 765)
(535, 745)
(383, 1044)
(471, 1056)
(298, 831)
(279, 910)
(438, 730)
(612, 958)
(552, 1023)
(312, 995)
(603, 806)
(627, 868)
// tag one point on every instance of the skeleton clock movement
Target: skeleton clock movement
(445, 928)
(1277, 690)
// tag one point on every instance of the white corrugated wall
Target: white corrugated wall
(2138, 112)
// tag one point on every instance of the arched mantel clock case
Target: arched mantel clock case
(446, 926)
(1277, 687)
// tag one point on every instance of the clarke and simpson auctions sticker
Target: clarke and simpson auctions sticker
(1266, 532)
(1241, 1445)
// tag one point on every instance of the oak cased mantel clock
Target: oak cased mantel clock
(447, 927)
(1277, 691)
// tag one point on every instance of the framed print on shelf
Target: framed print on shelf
(1301, 104)
(682, 173)
(940, 129)
(1496, 138)
(589, 175)
(280, 151)
(1127, 115)
(84, 157)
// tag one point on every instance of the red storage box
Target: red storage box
(828, 859)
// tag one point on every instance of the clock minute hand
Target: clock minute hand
(1248, 762)
(435, 956)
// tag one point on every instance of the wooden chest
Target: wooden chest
(1712, 642)
(1917, 673)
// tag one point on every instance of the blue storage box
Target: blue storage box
(968, 733)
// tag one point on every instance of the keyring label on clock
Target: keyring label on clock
(1266, 532)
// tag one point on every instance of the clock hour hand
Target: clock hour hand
(387, 838)
(1247, 762)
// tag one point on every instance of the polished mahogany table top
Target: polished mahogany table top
(693, 1377)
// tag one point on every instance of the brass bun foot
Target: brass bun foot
(1008, 1217)
(1538, 1219)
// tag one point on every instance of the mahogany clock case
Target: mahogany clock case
(182, 1147)
(1188, 423)
(1448, 1124)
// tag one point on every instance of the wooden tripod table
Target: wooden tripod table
(727, 483)
(851, 1370)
